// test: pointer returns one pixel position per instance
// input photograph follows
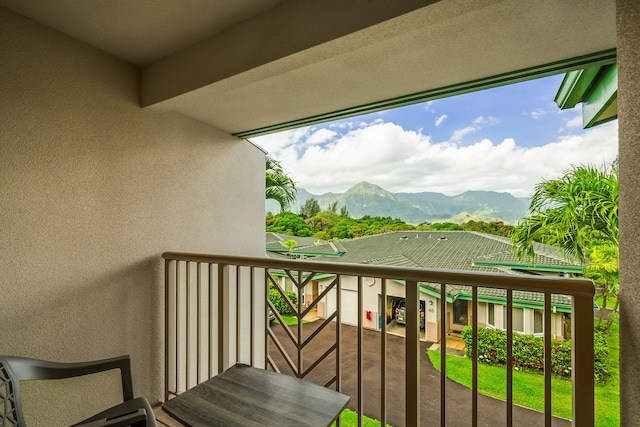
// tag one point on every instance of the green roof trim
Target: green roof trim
(601, 104)
(596, 88)
(574, 86)
(307, 253)
(580, 62)
(576, 269)
(516, 302)
(466, 296)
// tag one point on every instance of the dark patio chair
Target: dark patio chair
(133, 412)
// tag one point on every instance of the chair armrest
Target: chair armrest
(135, 412)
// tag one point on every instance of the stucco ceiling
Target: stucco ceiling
(245, 64)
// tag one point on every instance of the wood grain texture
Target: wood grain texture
(246, 396)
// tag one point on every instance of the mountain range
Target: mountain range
(369, 199)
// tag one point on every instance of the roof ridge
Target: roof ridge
(384, 258)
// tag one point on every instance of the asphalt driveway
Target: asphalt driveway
(491, 412)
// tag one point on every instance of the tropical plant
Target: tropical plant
(279, 186)
(310, 208)
(290, 245)
(572, 212)
(578, 213)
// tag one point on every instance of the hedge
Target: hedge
(278, 300)
(528, 352)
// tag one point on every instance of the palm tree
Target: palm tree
(578, 213)
(280, 187)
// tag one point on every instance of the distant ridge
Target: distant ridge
(370, 199)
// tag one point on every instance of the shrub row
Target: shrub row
(278, 300)
(528, 352)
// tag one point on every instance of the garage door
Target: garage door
(349, 305)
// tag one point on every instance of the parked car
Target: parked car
(400, 314)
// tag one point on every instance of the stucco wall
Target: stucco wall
(92, 190)
(628, 36)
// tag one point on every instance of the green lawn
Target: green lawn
(290, 320)
(608, 395)
(528, 388)
(349, 418)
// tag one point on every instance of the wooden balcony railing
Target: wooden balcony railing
(216, 314)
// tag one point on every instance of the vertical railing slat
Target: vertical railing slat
(383, 355)
(338, 337)
(188, 324)
(252, 308)
(412, 343)
(300, 279)
(509, 357)
(443, 354)
(360, 354)
(546, 328)
(474, 358)
(199, 320)
(221, 320)
(267, 308)
(210, 323)
(237, 338)
(167, 337)
(178, 367)
(582, 361)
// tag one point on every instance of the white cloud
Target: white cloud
(573, 123)
(320, 136)
(537, 113)
(400, 160)
(440, 119)
(458, 134)
(428, 106)
(486, 121)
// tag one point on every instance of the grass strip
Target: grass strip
(349, 418)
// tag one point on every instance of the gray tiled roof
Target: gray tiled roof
(451, 250)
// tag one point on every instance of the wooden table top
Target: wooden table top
(244, 396)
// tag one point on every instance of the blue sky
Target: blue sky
(505, 139)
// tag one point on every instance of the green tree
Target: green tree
(322, 223)
(603, 269)
(344, 211)
(445, 226)
(578, 213)
(279, 186)
(310, 208)
(289, 223)
(333, 207)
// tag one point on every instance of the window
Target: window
(538, 325)
(491, 314)
(460, 312)
(518, 319)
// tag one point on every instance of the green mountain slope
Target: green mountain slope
(369, 199)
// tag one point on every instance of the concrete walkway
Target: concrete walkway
(491, 412)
